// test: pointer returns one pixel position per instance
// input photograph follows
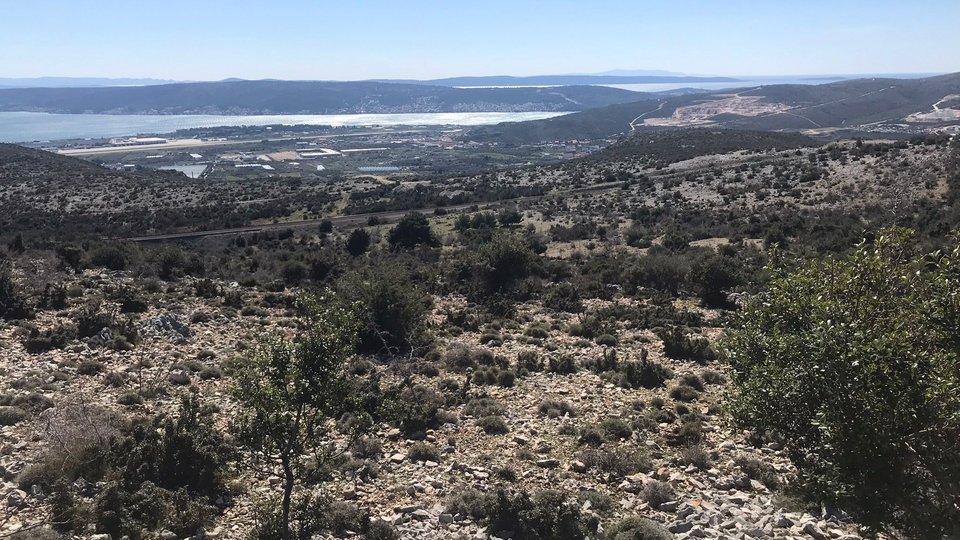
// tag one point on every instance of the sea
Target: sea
(18, 127)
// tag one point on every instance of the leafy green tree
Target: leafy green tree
(358, 242)
(411, 231)
(12, 303)
(854, 361)
(713, 277)
(291, 393)
(392, 310)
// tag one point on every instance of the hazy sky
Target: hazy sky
(357, 39)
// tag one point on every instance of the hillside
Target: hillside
(559, 358)
(861, 105)
(305, 97)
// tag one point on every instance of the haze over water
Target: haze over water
(32, 126)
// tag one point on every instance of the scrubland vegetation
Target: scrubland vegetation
(733, 344)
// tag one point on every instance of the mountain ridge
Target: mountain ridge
(306, 97)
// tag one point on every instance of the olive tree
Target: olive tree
(292, 391)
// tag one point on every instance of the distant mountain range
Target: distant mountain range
(875, 104)
(75, 82)
(306, 97)
(563, 80)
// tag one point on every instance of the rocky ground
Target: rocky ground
(722, 488)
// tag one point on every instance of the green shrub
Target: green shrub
(683, 392)
(696, 456)
(13, 305)
(547, 515)
(54, 338)
(657, 493)
(552, 408)
(90, 367)
(616, 428)
(680, 343)
(469, 502)
(111, 257)
(366, 447)
(421, 451)
(479, 407)
(592, 435)
(607, 340)
(758, 470)
(358, 242)
(693, 381)
(507, 472)
(712, 376)
(617, 462)
(211, 372)
(381, 530)
(644, 373)
(853, 360)
(563, 364)
(342, 516)
(493, 425)
(130, 398)
(393, 311)
(528, 361)
(637, 528)
(411, 231)
(416, 409)
(10, 416)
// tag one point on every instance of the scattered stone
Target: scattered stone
(16, 498)
(178, 377)
(811, 529)
(549, 463)
(669, 506)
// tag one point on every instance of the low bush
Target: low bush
(421, 451)
(493, 425)
(618, 463)
(10, 416)
(591, 435)
(657, 493)
(616, 428)
(758, 470)
(546, 515)
(637, 528)
(528, 361)
(681, 344)
(563, 364)
(696, 456)
(552, 408)
(683, 392)
(469, 502)
(479, 407)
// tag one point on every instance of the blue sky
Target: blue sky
(357, 39)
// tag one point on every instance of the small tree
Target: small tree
(412, 230)
(358, 242)
(12, 303)
(292, 391)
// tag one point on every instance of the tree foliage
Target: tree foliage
(854, 361)
(293, 390)
(411, 231)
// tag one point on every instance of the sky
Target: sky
(422, 39)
